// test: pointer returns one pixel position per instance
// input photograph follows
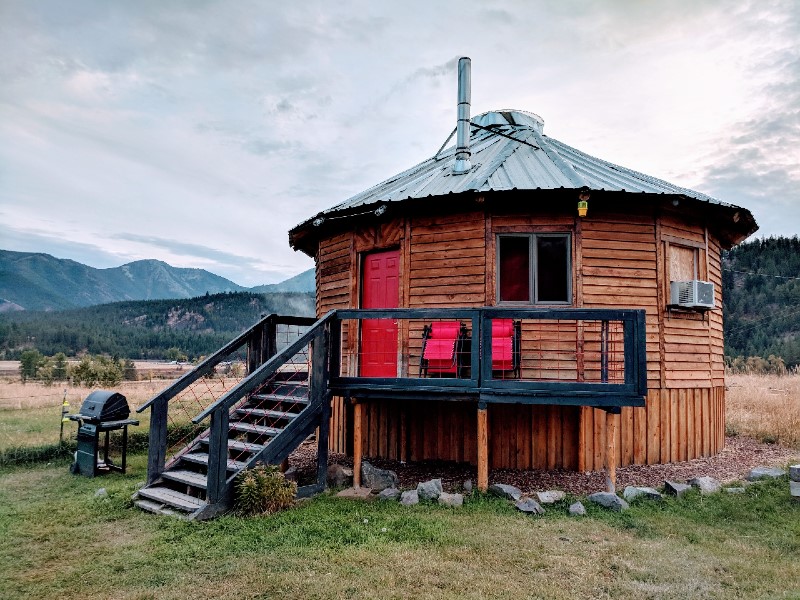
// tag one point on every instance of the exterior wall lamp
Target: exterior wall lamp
(583, 201)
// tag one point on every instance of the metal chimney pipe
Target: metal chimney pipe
(462, 164)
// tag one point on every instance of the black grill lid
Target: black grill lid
(102, 405)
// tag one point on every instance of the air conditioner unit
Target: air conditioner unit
(692, 294)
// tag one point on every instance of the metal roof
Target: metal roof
(510, 152)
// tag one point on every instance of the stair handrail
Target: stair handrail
(206, 366)
(250, 383)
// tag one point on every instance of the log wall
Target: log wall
(618, 260)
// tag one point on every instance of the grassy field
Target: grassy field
(765, 407)
(59, 541)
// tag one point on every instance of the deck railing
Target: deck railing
(593, 357)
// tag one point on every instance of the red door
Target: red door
(379, 289)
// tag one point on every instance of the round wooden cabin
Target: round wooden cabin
(504, 231)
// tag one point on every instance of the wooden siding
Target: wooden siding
(676, 425)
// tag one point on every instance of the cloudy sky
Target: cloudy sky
(199, 132)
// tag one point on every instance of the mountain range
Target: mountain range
(36, 281)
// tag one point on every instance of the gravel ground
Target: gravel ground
(739, 456)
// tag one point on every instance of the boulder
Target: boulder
(706, 485)
(468, 486)
(451, 500)
(577, 509)
(339, 476)
(765, 473)
(101, 493)
(794, 473)
(506, 491)
(529, 506)
(550, 496)
(733, 490)
(676, 489)
(391, 493)
(429, 490)
(377, 479)
(609, 500)
(646, 493)
(409, 498)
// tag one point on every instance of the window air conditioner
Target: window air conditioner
(692, 294)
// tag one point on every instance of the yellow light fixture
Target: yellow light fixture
(583, 201)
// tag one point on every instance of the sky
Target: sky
(199, 132)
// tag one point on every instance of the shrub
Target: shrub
(263, 490)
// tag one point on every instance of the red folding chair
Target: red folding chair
(441, 347)
(506, 336)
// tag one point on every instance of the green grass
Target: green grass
(58, 541)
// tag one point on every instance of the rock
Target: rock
(734, 490)
(647, 493)
(377, 479)
(339, 476)
(451, 500)
(550, 496)
(676, 489)
(794, 488)
(429, 490)
(765, 473)
(101, 493)
(506, 491)
(706, 485)
(361, 493)
(290, 474)
(794, 473)
(389, 494)
(530, 506)
(468, 486)
(609, 500)
(409, 498)
(577, 509)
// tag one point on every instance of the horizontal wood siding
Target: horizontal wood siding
(618, 269)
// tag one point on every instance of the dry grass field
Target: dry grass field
(765, 407)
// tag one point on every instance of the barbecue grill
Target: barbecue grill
(101, 412)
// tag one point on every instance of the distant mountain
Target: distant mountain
(145, 328)
(304, 283)
(35, 281)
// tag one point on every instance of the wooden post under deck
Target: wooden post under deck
(483, 450)
(357, 446)
(611, 451)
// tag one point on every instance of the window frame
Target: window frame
(533, 274)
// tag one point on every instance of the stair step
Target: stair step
(180, 501)
(259, 429)
(192, 478)
(280, 398)
(201, 458)
(259, 412)
(241, 446)
(157, 508)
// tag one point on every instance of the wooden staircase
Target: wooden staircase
(262, 419)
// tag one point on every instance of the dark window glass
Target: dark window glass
(552, 263)
(515, 269)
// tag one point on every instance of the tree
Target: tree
(29, 364)
(60, 367)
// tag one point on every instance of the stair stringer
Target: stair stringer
(275, 452)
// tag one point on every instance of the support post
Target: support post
(483, 448)
(157, 450)
(357, 445)
(611, 451)
(217, 456)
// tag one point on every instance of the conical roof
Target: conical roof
(510, 152)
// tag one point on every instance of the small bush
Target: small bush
(263, 490)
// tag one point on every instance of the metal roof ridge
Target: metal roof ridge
(566, 168)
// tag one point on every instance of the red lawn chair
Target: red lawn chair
(441, 347)
(506, 336)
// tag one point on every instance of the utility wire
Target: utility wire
(761, 274)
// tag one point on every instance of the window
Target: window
(534, 268)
